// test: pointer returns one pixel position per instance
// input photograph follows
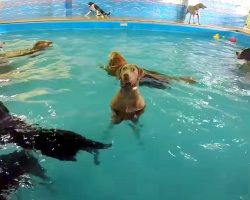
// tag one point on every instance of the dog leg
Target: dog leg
(189, 18)
(135, 126)
(193, 19)
(95, 153)
(116, 119)
(106, 132)
(198, 17)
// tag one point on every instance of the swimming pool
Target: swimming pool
(194, 140)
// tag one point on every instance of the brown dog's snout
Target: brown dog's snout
(126, 76)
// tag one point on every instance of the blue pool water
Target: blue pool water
(194, 139)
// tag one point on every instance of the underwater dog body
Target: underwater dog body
(15, 169)
(148, 78)
(38, 46)
(56, 143)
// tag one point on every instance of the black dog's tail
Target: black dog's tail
(93, 147)
(3, 108)
(87, 144)
(3, 112)
(64, 145)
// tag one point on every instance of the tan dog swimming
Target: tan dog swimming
(128, 104)
(148, 78)
(38, 46)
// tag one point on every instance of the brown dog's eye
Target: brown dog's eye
(132, 69)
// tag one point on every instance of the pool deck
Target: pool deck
(124, 20)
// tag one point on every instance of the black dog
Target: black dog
(16, 168)
(56, 143)
(95, 8)
(244, 54)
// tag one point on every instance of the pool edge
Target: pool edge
(122, 23)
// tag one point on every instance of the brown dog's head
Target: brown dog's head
(116, 59)
(130, 75)
(200, 5)
(41, 45)
(244, 54)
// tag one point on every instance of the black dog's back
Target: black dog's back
(13, 166)
(101, 10)
(56, 143)
(64, 145)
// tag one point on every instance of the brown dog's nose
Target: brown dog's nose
(126, 76)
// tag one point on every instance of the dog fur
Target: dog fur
(56, 143)
(15, 168)
(194, 10)
(245, 66)
(149, 78)
(99, 12)
(244, 54)
(128, 104)
(38, 46)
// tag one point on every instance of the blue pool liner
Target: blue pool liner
(124, 25)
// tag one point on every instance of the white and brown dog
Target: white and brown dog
(194, 10)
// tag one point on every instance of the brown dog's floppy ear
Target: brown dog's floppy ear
(140, 73)
(118, 73)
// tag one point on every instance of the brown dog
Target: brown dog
(128, 104)
(38, 46)
(148, 78)
(41, 45)
(194, 10)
